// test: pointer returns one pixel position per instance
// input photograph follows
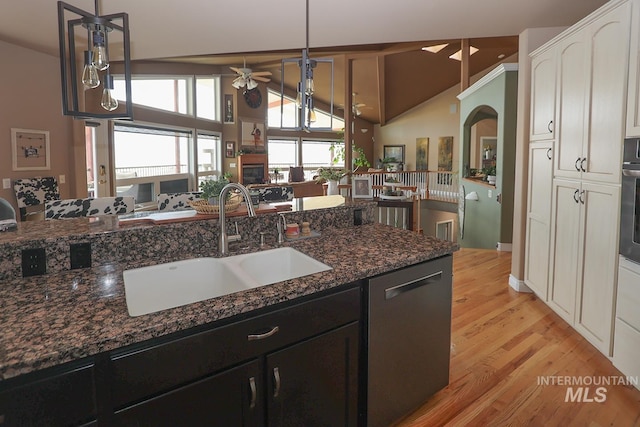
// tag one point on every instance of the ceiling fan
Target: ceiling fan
(247, 77)
(356, 107)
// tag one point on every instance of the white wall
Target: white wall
(432, 119)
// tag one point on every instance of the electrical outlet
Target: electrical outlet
(34, 262)
(62, 179)
(490, 193)
(80, 254)
(6, 183)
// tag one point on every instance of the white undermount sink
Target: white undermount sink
(160, 287)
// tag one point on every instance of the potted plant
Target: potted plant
(211, 188)
(490, 172)
(332, 176)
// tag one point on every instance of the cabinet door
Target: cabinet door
(608, 59)
(54, 397)
(543, 95)
(598, 266)
(539, 217)
(633, 94)
(315, 382)
(564, 257)
(231, 398)
(573, 76)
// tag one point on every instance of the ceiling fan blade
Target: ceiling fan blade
(261, 73)
(260, 79)
(236, 70)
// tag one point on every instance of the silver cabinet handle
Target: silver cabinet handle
(276, 382)
(576, 195)
(254, 392)
(549, 153)
(631, 172)
(549, 126)
(584, 159)
(253, 337)
(576, 164)
(394, 291)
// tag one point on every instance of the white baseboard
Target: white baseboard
(504, 247)
(518, 285)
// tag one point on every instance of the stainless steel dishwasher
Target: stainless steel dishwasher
(407, 338)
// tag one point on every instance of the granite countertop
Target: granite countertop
(53, 319)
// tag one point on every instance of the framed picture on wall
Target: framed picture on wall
(229, 116)
(253, 136)
(30, 149)
(230, 150)
(394, 151)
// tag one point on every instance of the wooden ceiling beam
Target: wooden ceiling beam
(464, 64)
(381, 91)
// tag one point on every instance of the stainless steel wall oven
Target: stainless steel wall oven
(630, 207)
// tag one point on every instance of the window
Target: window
(315, 154)
(150, 160)
(174, 94)
(209, 156)
(289, 113)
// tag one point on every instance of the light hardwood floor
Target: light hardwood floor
(502, 342)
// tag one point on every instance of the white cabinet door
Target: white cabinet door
(633, 94)
(599, 223)
(565, 250)
(536, 267)
(608, 56)
(543, 95)
(573, 78)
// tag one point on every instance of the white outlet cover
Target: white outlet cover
(490, 193)
(6, 183)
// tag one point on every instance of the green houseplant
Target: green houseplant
(211, 188)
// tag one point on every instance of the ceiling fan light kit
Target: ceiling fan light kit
(102, 33)
(249, 78)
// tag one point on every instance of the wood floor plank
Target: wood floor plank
(504, 343)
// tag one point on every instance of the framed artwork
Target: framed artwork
(30, 149)
(253, 136)
(394, 151)
(361, 187)
(422, 154)
(229, 116)
(230, 150)
(445, 153)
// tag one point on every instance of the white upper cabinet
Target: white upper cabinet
(633, 97)
(591, 101)
(543, 95)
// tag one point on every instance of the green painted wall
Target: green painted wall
(488, 222)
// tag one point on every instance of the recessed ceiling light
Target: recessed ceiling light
(436, 48)
(458, 55)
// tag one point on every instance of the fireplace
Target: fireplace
(252, 169)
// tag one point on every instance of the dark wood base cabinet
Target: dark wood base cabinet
(292, 366)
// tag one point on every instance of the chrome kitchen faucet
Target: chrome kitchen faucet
(224, 238)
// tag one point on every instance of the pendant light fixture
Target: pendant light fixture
(306, 88)
(107, 37)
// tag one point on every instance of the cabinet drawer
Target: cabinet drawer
(626, 347)
(54, 397)
(162, 366)
(628, 294)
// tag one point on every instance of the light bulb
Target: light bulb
(299, 97)
(108, 102)
(309, 85)
(312, 116)
(90, 78)
(99, 51)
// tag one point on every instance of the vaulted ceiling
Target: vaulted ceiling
(382, 38)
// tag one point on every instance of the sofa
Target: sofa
(300, 189)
